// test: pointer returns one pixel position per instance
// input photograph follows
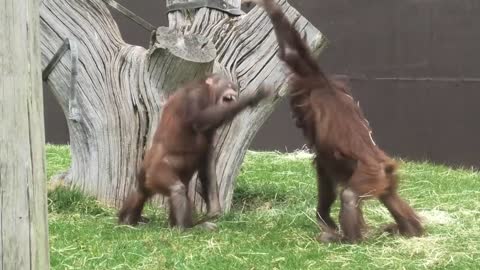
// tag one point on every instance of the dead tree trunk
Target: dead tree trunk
(121, 88)
(23, 196)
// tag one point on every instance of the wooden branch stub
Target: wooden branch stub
(225, 6)
(189, 56)
(191, 47)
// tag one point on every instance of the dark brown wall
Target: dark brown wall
(416, 39)
(406, 59)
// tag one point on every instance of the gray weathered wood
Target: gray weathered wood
(23, 197)
(122, 88)
(222, 5)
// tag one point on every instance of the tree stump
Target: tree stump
(121, 88)
(23, 196)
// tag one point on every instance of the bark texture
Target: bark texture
(121, 88)
(23, 197)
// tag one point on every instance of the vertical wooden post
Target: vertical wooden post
(23, 211)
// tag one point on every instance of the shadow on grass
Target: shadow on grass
(247, 198)
(64, 200)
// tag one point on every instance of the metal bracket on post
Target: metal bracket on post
(214, 4)
(73, 113)
(55, 59)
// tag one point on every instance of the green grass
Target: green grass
(271, 225)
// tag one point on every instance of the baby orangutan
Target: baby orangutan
(345, 154)
(181, 146)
